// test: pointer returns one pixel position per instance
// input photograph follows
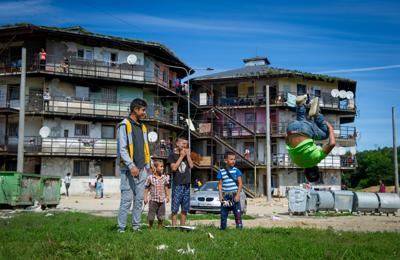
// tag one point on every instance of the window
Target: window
(165, 76)
(317, 92)
(81, 168)
(109, 95)
(88, 55)
(107, 168)
(114, 58)
(81, 54)
(82, 93)
(301, 89)
(81, 130)
(66, 133)
(84, 54)
(231, 92)
(249, 118)
(13, 92)
(13, 129)
(250, 91)
(107, 132)
(301, 178)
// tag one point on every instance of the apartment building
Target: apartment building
(91, 84)
(231, 116)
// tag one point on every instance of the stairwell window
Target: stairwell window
(81, 129)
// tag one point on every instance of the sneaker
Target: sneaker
(301, 100)
(121, 230)
(314, 107)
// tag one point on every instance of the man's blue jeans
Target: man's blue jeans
(317, 129)
(132, 190)
(237, 212)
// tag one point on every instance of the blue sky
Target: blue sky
(316, 36)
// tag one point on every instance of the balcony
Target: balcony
(72, 146)
(281, 99)
(78, 107)
(326, 101)
(54, 146)
(83, 68)
(331, 161)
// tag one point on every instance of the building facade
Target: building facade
(91, 85)
(231, 116)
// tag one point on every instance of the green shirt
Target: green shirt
(306, 154)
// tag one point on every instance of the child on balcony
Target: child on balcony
(301, 134)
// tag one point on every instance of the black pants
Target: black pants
(67, 187)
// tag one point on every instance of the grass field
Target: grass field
(79, 235)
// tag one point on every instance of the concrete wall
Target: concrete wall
(61, 49)
(80, 185)
(58, 126)
(291, 85)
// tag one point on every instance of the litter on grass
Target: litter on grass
(188, 250)
(162, 247)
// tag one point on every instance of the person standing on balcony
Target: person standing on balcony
(134, 160)
(67, 183)
(180, 164)
(247, 154)
(46, 99)
(301, 134)
(42, 59)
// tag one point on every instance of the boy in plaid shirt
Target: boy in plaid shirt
(157, 185)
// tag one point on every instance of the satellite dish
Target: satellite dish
(335, 93)
(131, 59)
(342, 94)
(342, 151)
(44, 131)
(353, 150)
(152, 137)
(349, 95)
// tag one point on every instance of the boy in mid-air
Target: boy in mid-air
(301, 134)
(230, 186)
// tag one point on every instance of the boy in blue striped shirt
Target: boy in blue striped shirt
(230, 186)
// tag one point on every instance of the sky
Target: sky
(359, 40)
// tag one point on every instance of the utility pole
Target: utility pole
(268, 144)
(21, 125)
(396, 166)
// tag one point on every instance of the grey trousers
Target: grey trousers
(132, 190)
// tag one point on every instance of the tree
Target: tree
(372, 165)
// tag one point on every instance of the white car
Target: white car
(207, 199)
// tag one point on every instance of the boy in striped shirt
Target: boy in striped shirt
(230, 187)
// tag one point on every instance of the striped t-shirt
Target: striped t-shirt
(229, 185)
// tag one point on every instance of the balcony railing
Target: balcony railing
(281, 99)
(94, 108)
(72, 146)
(278, 129)
(79, 67)
(331, 161)
(57, 146)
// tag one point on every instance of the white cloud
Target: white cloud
(21, 9)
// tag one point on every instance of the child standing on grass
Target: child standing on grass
(230, 187)
(157, 185)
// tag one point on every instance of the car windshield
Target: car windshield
(210, 186)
